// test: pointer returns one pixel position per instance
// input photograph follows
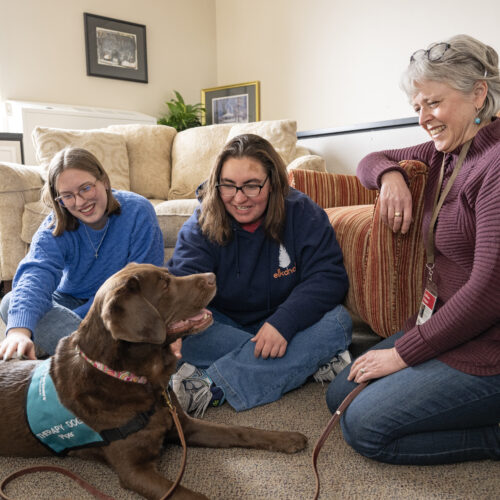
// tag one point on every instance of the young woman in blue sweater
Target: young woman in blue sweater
(91, 233)
(280, 282)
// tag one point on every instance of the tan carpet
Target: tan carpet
(251, 474)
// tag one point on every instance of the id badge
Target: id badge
(428, 303)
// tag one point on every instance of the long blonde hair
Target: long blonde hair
(214, 220)
(80, 159)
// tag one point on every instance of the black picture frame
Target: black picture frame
(12, 145)
(238, 103)
(115, 49)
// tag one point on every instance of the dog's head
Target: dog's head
(145, 303)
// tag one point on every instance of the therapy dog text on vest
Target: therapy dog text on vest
(51, 423)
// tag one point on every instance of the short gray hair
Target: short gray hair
(462, 65)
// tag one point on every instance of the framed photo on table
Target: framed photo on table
(115, 49)
(239, 103)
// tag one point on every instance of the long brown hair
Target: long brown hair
(80, 159)
(214, 220)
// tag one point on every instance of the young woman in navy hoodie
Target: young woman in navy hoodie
(280, 283)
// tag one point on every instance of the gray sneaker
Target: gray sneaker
(327, 373)
(195, 390)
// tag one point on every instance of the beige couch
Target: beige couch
(152, 160)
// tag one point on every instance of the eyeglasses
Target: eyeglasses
(68, 200)
(434, 53)
(250, 190)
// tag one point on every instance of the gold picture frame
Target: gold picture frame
(238, 103)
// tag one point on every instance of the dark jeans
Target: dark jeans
(425, 414)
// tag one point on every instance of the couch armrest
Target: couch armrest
(20, 185)
(16, 177)
(308, 162)
(395, 264)
(331, 190)
(385, 270)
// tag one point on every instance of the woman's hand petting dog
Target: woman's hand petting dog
(17, 344)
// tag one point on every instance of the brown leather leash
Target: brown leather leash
(87, 486)
(51, 468)
(326, 432)
(173, 412)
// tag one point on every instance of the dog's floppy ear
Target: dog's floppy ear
(129, 316)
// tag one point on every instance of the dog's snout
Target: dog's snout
(209, 278)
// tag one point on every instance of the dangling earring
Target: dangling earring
(477, 120)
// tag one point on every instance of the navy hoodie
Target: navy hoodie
(290, 285)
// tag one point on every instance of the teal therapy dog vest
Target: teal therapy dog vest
(50, 422)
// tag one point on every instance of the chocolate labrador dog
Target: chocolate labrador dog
(111, 375)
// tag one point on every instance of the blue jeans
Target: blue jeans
(58, 322)
(227, 354)
(423, 415)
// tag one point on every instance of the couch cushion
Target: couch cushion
(308, 162)
(193, 154)
(171, 215)
(149, 150)
(109, 147)
(282, 134)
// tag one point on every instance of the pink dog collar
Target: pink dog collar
(126, 376)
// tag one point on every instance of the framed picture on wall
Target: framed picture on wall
(239, 103)
(115, 49)
(11, 148)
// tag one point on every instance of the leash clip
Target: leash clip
(166, 399)
(430, 270)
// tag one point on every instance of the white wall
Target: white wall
(332, 63)
(325, 63)
(343, 152)
(42, 52)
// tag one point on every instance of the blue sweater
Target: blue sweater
(67, 263)
(291, 286)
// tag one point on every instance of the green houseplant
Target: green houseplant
(181, 115)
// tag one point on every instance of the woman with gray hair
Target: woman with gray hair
(435, 395)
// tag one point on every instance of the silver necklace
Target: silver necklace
(96, 250)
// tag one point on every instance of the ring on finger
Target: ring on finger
(362, 370)
(398, 214)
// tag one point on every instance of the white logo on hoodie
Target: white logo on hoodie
(284, 259)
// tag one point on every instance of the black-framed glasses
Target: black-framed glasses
(433, 53)
(68, 200)
(250, 190)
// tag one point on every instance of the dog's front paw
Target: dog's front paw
(293, 442)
